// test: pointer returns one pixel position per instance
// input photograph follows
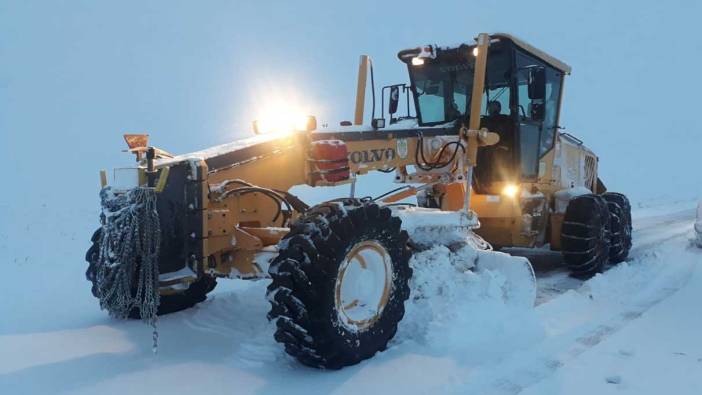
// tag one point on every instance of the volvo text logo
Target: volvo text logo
(373, 155)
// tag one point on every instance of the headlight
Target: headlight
(510, 190)
(283, 120)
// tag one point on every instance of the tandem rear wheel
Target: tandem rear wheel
(596, 230)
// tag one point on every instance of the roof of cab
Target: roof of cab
(404, 55)
(535, 51)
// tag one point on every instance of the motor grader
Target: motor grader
(483, 152)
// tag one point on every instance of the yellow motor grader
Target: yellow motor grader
(482, 153)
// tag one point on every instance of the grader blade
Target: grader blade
(430, 227)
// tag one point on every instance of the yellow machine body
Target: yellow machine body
(231, 228)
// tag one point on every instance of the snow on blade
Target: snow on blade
(467, 250)
(427, 227)
(459, 303)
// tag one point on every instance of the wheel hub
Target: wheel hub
(363, 285)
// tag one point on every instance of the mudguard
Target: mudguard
(181, 207)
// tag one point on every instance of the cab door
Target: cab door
(538, 101)
(537, 128)
(530, 107)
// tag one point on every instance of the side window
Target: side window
(498, 94)
(498, 80)
(431, 100)
(554, 79)
(460, 93)
(538, 118)
(524, 103)
(530, 125)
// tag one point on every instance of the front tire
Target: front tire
(194, 294)
(339, 283)
(585, 235)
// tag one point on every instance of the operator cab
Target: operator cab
(521, 102)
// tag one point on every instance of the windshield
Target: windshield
(442, 90)
(443, 86)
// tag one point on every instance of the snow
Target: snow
(447, 298)
(652, 346)
(219, 150)
(427, 227)
(563, 196)
(459, 335)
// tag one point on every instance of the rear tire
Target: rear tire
(315, 320)
(196, 292)
(585, 235)
(620, 239)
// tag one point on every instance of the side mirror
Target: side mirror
(394, 99)
(537, 111)
(537, 83)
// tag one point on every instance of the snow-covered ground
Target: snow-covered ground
(633, 328)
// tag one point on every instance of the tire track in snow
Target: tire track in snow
(649, 232)
(658, 229)
(517, 373)
(653, 238)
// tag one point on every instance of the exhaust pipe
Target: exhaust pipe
(361, 90)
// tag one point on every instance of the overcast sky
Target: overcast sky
(75, 75)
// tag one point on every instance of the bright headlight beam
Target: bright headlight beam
(280, 118)
(510, 190)
(416, 61)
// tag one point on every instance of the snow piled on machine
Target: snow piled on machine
(452, 232)
(427, 227)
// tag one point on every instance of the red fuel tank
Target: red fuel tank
(329, 160)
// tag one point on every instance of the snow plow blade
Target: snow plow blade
(519, 286)
(430, 227)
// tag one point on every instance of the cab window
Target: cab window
(538, 118)
(529, 123)
(554, 79)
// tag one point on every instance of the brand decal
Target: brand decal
(402, 148)
(455, 67)
(373, 155)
